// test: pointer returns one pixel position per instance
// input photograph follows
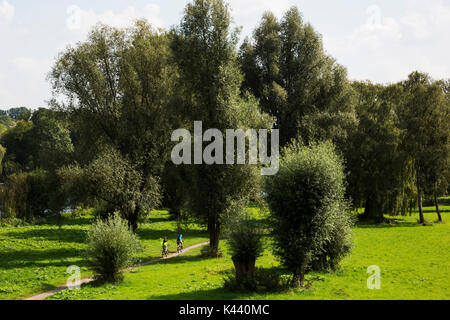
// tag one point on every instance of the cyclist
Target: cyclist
(180, 241)
(165, 245)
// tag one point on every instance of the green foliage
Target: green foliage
(306, 199)
(380, 174)
(52, 134)
(112, 182)
(19, 142)
(339, 242)
(209, 82)
(27, 195)
(112, 247)
(123, 104)
(20, 113)
(424, 118)
(244, 238)
(287, 69)
(2, 155)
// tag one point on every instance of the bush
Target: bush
(245, 243)
(12, 222)
(112, 247)
(307, 202)
(340, 240)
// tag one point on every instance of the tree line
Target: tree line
(118, 96)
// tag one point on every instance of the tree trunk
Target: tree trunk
(298, 280)
(419, 193)
(373, 210)
(437, 208)
(244, 269)
(411, 203)
(133, 220)
(214, 234)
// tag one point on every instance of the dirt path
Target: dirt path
(47, 294)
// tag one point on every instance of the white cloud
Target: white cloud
(23, 82)
(248, 13)
(377, 29)
(82, 20)
(23, 75)
(6, 12)
(387, 49)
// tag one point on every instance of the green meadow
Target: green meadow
(413, 259)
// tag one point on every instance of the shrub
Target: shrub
(306, 198)
(340, 241)
(245, 243)
(112, 247)
(13, 222)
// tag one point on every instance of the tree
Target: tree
(306, 199)
(2, 155)
(379, 168)
(117, 87)
(111, 248)
(53, 139)
(27, 195)
(210, 80)
(305, 90)
(246, 244)
(21, 147)
(424, 116)
(263, 79)
(20, 113)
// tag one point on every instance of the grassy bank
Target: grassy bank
(414, 262)
(34, 259)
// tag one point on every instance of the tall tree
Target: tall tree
(308, 211)
(117, 87)
(206, 55)
(306, 91)
(425, 117)
(379, 169)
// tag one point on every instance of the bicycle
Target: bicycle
(165, 252)
(179, 247)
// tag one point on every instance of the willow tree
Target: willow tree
(425, 116)
(380, 170)
(287, 69)
(204, 49)
(116, 88)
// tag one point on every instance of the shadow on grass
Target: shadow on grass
(396, 224)
(157, 219)
(151, 234)
(50, 234)
(434, 211)
(212, 294)
(40, 258)
(183, 259)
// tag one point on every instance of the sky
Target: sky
(377, 40)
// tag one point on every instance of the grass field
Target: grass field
(34, 259)
(414, 262)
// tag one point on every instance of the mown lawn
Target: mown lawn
(414, 262)
(34, 259)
